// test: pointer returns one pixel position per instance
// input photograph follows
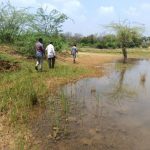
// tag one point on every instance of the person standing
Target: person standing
(74, 52)
(39, 54)
(51, 55)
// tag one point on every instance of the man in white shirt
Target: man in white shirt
(51, 55)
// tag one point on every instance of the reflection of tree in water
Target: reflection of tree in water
(121, 91)
(142, 79)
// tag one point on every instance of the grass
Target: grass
(135, 52)
(64, 103)
(23, 89)
(20, 90)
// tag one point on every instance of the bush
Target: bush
(26, 43)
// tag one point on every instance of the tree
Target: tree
(126, 35)
(13, 22)
(110, 41)
(48, 23)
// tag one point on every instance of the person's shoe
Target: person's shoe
(36, 67)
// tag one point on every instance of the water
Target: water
(114, 110)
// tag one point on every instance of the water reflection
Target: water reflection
(120, 90)
(143, 79)
(114, 107)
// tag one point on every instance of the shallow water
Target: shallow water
(113, 111)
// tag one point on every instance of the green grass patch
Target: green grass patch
(20, 90)
(135, 52)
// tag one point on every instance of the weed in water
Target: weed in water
(64, 103)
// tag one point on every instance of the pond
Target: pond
(113, 110)
(110, 112)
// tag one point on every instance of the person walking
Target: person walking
(39, 54)
(74, 52)
(51, 55)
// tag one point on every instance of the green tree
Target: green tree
(48, 23)
(13, 22)
(126, 35)
(110, 41)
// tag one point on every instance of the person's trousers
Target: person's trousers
(51, 62)
(74, 57)
(39, 63)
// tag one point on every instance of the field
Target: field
(24, 91)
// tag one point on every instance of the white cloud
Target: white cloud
(48, 7)
(71, 7)
(25, 3)
(145, 6)
(132, 11)
(106, 10)
(82, 18)
(63, 1)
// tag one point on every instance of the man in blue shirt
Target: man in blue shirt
(74, 52)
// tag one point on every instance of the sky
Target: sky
(91, 16)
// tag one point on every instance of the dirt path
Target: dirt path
(93, 59)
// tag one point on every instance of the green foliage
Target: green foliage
(145, 42)
(23, 29)
(20, 90)
(16, 100)
(108, 41)
(58, 41)
(26, 43)
(13, 22)
(128, 36)
(48, 23)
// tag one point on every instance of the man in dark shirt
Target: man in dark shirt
(39, 54)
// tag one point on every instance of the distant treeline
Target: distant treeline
(105, 41)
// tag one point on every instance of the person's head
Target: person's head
(50, 42)
(40, 40)
(74, 45)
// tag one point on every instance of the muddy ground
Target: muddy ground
(106, 113)
(70, 133)
(8, 66)
(43, 131)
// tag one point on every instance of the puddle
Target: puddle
(106, 113)
(113, 111)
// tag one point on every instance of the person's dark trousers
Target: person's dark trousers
(51, 62)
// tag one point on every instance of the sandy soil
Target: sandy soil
(93, 59)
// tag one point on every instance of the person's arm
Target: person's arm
(46, 52)
(54, 51)
(42, 48)
(76, 50)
